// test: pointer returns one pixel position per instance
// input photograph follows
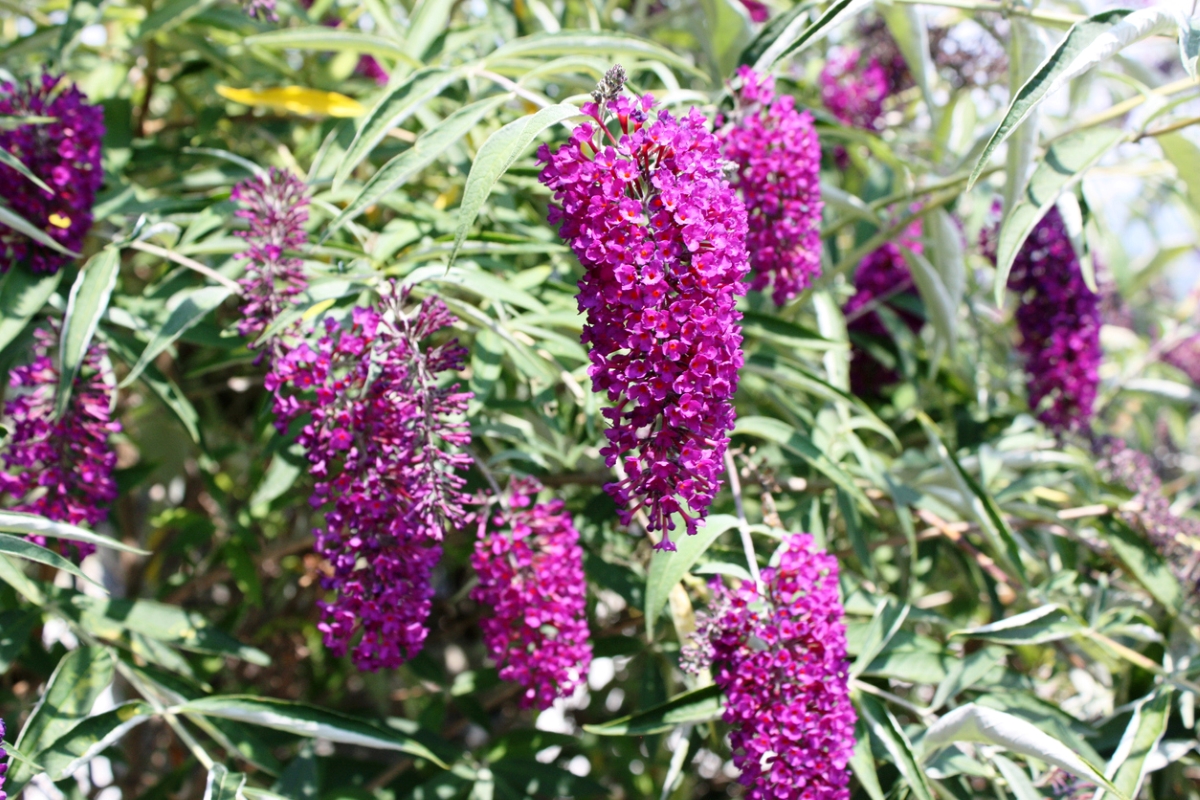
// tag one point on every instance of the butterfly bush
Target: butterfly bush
(60, 468)
(661, 237)
(778, 163)
(780, 659)
(384, 436)
(261, 10)
(534, 595)
(1185, 357)
(3, 761)
(854, 88)
(275, 205)
(64, 154)
(1058, 318)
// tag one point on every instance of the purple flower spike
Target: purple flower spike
(384, 441)
(1185, 357)
(61, 469)
(780, 659)
(65, 154)
(276, 207)
(661, 236)
(3, 761)
(779, 159)
(854, 90)
(534, 595)
(261, 10)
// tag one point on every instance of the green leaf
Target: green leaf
(790, 439)
(1016, 778)
(163, 387)
(223, 784)
(428, 22)
(884, 624)
(527, 779)
(15, 627)
(18, 223)
(9, 160)
(27, 550)
(1130, 763)
(668, 568)
(965, 673)
(698, 705)
(862, 763)
(782, 25)
(195, 306)
(974, 723)
(795, 36)
(577, 43)
(1063, 166)
(498, 153)
(424, 152)
(393, 108)
(727, 32)
(941, 308)
(1143, 562)
(318, 37)
(169, 15)
(22, 295)
(285, 468)
(1037, 626)
(885, 727)
(299, 780)
(91, 737)
(1086, 44)
(34, 525)
(1189, 45)
(86, 304)
(1185, 155)
(306, 720)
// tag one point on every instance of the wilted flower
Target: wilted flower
(661, 236)
(60, 469)
(780, 659)
(534, 595)
(778, 162)
(384, 439)
(65, 154)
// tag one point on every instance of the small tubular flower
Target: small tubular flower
(778, 162)
(276, 207)
(65, 154)
(854, 88)
(534, 595)
(384, 436)
(780, 659)
(60, 469)
(661, 237)
(1059, 322)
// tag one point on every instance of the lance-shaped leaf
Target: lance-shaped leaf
(18, 223)
(795, 36)
(9, 160)
(306, 720)
(22, 295)
(1038, 626)
(498, 153)
(575, 43)
(397, 105)
(667, 568)
(35, 525)
(319, 37)
(86, 304)
(974, 723)
(887, 729)
(698, 705)
(1130, 763)
(884, 624)
(223, 784)
(1086, 44)
(19, 547)
(194, 307)
(428, 21)
(90, 738)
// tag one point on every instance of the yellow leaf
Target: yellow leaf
(296, 99)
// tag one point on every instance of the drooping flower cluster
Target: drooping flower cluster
(853, 88)
(1185, 357)
(778, 158)
(65, 154)
(534, 594)
(276, 207)
(882, 278)
(661, 236)
(3, 761)
(60, 469)
(780, 659)
(384, 439)
(1059, 322)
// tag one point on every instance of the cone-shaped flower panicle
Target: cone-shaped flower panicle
(778, 163)
(64, 154)
(383, 432)
(261, 10)
(3, 761)
(661, 237)
(780, 659)
(853, 88)
(60, 469)
(534, 595)
(1058, 318)
(275, 205)
(1185, 357)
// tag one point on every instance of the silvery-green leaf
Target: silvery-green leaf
(668, 568)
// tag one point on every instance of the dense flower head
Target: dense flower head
(384, 441)
(262, 10)
(853, 88)
(275, 205)
(1059, 321)
(778, 162)
(3, 761)
(780, 659)
(1185, 357)
(60, 469)
(370, 68)
(876, 38)
(65, 154)
(883, 276)
(661, 237)
(759, 12)
(534, 595)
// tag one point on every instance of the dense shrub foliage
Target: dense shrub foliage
(497, 400)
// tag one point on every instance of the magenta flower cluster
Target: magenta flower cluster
(64, 154)
(778, 163)
(853, 88)
(1059, 322)
(261, 10)
(384, 437)
(780, 659)
(60, 468)
(275, 205)
(3, 761)
(1185, 357)
(534, 595)
(661, 237)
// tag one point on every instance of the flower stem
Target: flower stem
(735, 486)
